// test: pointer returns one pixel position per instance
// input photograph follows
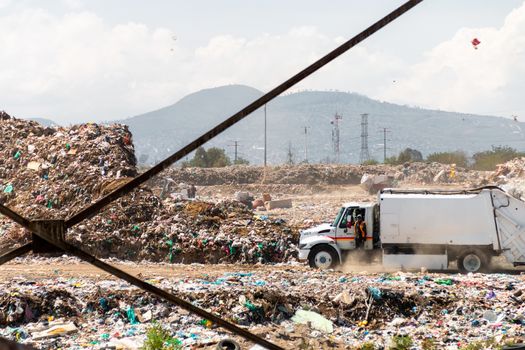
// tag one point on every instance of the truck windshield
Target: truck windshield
(341, 212)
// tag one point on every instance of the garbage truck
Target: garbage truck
(419, 228)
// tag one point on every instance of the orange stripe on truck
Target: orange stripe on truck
(347, 238)
(341, 238)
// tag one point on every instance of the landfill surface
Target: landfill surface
(449, 310)
(229, 248)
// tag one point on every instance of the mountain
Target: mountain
(159, 133)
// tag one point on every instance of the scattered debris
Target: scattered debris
(290, 305)
(282, 203)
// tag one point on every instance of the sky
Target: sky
(93, 60)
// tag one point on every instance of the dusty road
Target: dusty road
(45, 268)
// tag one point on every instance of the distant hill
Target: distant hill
(43, 121)
(162, 132)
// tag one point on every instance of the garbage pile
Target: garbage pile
(141, 227)
(324, 174)
(282, 174)
(290, 305)
(510, 176)
(511, 170)
(436, 173)
(52, 172)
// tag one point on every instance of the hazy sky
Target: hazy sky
(80, 60)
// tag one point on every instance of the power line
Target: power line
(306, 143)
(365, 154)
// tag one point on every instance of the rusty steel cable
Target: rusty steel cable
(19, 219)
(129, 186)
(79, 253)
(15, 253)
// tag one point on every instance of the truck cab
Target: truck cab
(325, 245)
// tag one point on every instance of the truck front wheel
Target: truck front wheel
(323, 257)
(472, 261)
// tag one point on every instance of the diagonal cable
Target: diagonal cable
(159, 292)
(19, 219)
(15, 253)
(126, 188)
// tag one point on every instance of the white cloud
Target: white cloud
(4, 3)
(77, 67)
(455, 76)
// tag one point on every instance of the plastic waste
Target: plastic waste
(444, 281)
(55, 331)
(132, 318)
(375, 292)
(8, 189)
(315, 320)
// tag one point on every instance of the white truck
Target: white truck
(424, 228)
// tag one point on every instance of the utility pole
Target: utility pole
(365, 154)
(235, 146)
(235, 158)
(289, 156)
(306, 143)
(384, 145)
(265, 135)
(385, 131)
(335, 136)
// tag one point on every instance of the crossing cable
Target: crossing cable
(129, 186)
(261, 101)
(79, 253)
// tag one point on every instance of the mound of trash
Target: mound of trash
(323, 174)
(52, 172)
(282, 174)
(144, 228)
(510, 176)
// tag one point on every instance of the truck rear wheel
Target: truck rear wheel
(323, 257)
(472, 261)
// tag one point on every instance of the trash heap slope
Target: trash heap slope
(53, 172)
(324, 174)
(510, 176)
(142, 227)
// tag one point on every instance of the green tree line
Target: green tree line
(213, 157)
(486, 160)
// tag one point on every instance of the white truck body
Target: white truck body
(416, 228)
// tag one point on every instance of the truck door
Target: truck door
(345, 231)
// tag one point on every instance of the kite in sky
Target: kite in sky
(475, 42)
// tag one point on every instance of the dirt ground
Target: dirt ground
(44, 268)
